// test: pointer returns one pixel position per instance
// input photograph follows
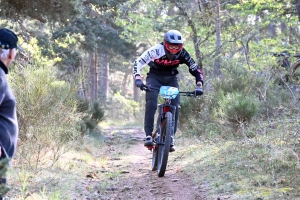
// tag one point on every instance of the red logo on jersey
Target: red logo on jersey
(169, 63)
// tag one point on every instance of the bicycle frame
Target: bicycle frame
(163, 109)
(284, 61)
(168, 93)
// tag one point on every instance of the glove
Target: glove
(199, 91)
(138, 83)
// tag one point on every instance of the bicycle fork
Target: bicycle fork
(163, 108)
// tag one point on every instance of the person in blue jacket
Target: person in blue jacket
(8, 117)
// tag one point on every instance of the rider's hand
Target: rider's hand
(199, 90)
(138, 83)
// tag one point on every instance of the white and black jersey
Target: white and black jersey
(159, 64)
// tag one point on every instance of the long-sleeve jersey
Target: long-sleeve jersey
(159, 63)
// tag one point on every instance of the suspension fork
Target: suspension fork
(170, 108)
(163, 108)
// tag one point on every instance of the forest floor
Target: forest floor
(113, 164)
(130, 172)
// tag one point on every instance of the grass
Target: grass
(81, 167)
(265, 166)
(69, 171)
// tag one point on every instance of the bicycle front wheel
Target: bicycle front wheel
(164, 144)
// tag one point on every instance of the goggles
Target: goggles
(173, 48)
(176, 47)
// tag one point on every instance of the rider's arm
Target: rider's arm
(194, 69)
(199, 83)
(153, 53)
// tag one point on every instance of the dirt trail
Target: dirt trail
(138, 181)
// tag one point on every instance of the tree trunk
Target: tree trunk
(298, 9)
(81, 91)
(104, 77)
(194, 35)
(136, 93)
(283, 27)
(272, 29)
(92, 72)
(217, 63)
(125, 81)
(96, 74)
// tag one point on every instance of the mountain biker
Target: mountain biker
(163, 60)
(8, 117)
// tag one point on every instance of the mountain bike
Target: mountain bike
(164, 132)
(284, 61)
(296, 65)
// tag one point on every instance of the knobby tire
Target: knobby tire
(295, 66)
(164, 144)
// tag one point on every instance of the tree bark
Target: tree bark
(96, 74)
(104, 77)
(298, 9)
(272, 29)
(124, 81)
(217, 71)
(136, 92)
(81, 91)
(92, 96)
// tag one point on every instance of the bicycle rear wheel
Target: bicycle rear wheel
(164, 144)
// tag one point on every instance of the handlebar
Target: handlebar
(148, 88)
(189, 94)
(285, 54)
(282, 54)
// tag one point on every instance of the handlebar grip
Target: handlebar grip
(144, 87)
(198, 92)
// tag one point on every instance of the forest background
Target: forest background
(76, 70)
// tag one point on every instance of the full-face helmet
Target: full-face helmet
(173, 44)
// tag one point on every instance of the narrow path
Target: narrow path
(139, 182)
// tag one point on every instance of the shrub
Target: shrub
(93, 114)
(190, 108)
(238, 108)
(122, 108)
(48, 121)
(97, 112)
(236, 78)
(4, 163)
